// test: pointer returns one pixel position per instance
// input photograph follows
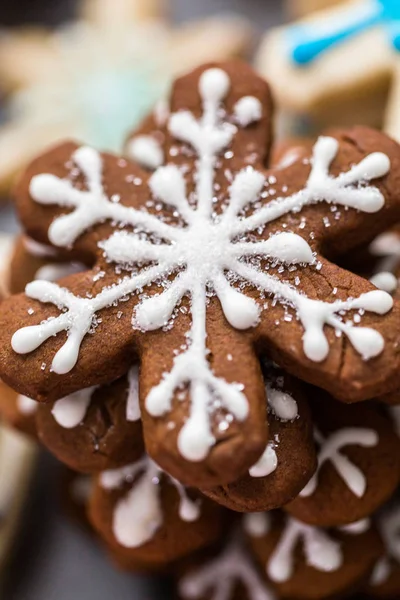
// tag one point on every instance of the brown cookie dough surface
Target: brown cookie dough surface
(308, 563)
(289, 460)
(359, 464)
(91, 431)
(148, 517)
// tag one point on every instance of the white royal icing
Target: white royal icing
(282, 404)
(55, 271)
(161, 113)
(381, 572)
(71, 410)
(385, 281)
(146, 151)
(132, 405)
(356, 528)
(330, 450)
(39, 250)
(267, 463)
(289, 157)
(218, 578)
(387, 247)
(247, 110)
(26, 406)
(257, 525)
(207, 252)
(320, 551)
(139, 514)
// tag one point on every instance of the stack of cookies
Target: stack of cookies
(212, 337)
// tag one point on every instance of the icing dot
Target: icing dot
(188, 511)
(256, 524)
(385, 281)
(267, 464)
(26, 406)
(368, 342)
(356, 528)
(145, 150)
(70, 411)
(247, 110)
(282, 404)
(214, 85)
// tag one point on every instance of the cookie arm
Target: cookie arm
(29, 366)
(209, 444)
(349, 370)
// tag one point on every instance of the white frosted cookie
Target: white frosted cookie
(98, 77)
(337, 65)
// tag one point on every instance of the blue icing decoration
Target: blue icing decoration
(306, 45)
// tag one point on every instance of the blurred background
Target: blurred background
(52, 558)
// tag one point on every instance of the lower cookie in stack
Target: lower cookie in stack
(268, 556)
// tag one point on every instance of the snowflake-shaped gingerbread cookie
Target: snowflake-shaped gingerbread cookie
(200, 262)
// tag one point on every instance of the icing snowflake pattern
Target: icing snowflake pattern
(198, 258)
(306, 45)
(320, 550)
(139, 514)
(218, 578)
(330, 450)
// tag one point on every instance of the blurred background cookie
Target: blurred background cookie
(323, 71)
(99, 75)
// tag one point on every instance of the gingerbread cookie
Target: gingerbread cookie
(305, 562)
(358, 464)
(277, 477)
(230, 574)
(322, 68)
(98, 77)
(96, 428)
(177, 288)
(150, 517)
